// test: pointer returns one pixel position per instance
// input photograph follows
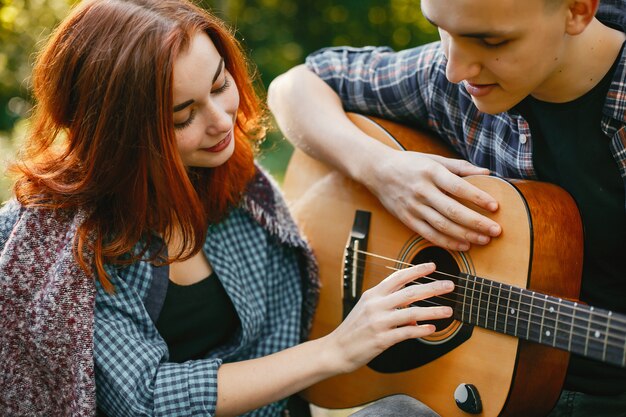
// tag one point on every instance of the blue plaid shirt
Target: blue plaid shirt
(133, 375)
(410, 86)
(268, 272)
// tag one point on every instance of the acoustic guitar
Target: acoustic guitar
(505, 351)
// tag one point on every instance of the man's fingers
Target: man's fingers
(465, 217)
(460, 167)
(462, 189)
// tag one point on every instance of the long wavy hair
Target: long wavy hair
(102, 134)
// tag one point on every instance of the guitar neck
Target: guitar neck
(595, 333)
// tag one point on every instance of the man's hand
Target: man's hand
(419, 188)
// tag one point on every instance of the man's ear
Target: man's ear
(580, 14)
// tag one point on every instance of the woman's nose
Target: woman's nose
(219, 120)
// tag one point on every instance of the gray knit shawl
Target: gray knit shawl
(47, 303)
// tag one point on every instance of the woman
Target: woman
(138, 176)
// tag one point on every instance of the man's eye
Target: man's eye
(492, 43)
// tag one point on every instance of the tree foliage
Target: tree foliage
(277, 34)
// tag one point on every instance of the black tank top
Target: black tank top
(196, 318)
(571, 150)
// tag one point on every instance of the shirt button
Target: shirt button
(522, 139)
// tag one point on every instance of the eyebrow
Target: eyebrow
(187, 103)
(479, 35)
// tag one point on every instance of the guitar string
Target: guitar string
(484, 284)
(580, 339)
(491, 306)
(477, 312)
(488, 308)
(572, 342)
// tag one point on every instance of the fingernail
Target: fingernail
(463, 246)
(447, 311)
(483, 240)
(447, 285)
(493, 206)
(494, 230)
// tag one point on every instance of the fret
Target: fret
(542, 313)
(464, 298)
(606, 335)
(552, 321)
(596, 331)
(525, 307)
(508, 311)
(564, 330)
(472, 297)
(571, 333)
(535, 319)
(480, 299)
(488, 308)
(588, 331)
(515, 309)
(615, 340)
(556, 322)
(548, 322)
(498, 310)
(581, 327)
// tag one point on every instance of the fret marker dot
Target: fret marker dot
(597, 334)
(547, 332)
(551, 309)
(512, 311)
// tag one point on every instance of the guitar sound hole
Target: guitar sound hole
(447, 268)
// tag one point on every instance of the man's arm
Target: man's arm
(415, 187)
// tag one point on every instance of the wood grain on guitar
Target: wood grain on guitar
(511, 303)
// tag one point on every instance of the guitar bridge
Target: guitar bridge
(354, 260)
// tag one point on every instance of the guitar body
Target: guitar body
(540, 249)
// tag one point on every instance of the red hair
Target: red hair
(102, 135)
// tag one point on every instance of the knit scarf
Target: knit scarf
(47, 303)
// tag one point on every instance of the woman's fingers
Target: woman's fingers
(372, 326)
(420, 291)
(413, 315)
(401, 289)
(402, 277)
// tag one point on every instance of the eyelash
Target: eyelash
(192, 114)
(224, 86)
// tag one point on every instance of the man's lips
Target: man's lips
(479, 90)
(221, 145)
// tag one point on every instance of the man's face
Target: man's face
(500, 50)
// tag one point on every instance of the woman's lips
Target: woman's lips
(221, 145)
(479, 90)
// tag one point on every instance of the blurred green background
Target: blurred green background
(277, 34)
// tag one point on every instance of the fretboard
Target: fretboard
(592, 332)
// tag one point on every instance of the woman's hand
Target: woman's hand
(383, 317)
(418, 188)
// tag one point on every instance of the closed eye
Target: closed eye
(182, 125)
(223, 87)
(493, 43)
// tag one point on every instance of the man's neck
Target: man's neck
(588, 58)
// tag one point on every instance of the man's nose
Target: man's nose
(462, 64)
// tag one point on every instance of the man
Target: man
(525, 89)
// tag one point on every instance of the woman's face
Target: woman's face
(205, 105)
